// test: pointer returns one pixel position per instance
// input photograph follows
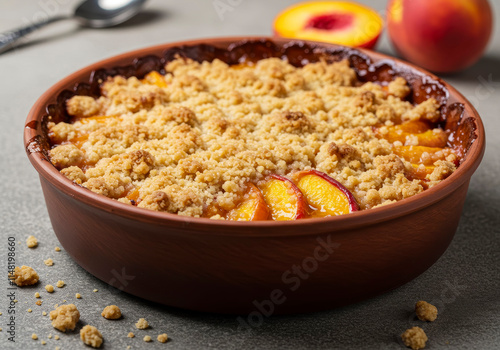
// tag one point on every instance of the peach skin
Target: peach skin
(325, 195)
(284, 199)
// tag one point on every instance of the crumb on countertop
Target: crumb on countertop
(48, 262)
(142, 324)
(91, 336)
(78, 295)
(31, 242)
(414, 338)
(147, 338)
(24, 276)
(111, 312)
(34, 336)
(130, 335)
(65, 317)
(426, 311)
(60, 284)
(49, 288)
(57, 249)
(162, 338)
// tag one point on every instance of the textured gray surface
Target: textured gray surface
(464, 283)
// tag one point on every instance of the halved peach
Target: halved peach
(339, 22)
(252, 208)
(283, 198)
(325, 195)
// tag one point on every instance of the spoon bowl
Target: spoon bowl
(90, 13)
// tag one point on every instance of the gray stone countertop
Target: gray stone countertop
(464, 283)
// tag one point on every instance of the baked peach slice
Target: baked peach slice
(325, 195)
(338, 22)
(426, 136)
(155, 78)
(252, 208)
(422, 154)
(284, 199)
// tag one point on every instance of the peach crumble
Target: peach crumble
(233, 142)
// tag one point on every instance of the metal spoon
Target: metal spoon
(90, 13)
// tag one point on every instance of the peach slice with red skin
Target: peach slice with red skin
(326, 195)
(338, 22)
(284, 199)
(252, 208)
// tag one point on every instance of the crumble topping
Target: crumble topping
(65, 317)
(91, 336)
(111, 312)
(426, 311)
(414, 338)
(208, 129)
(24, 276)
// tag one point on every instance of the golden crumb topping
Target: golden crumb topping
(24, 276)
(426, 311)
(414, 338)
(60, 284)
(192, 140)
(111, 312)
(49, 288)
(65, 317)
(91, 336)
(48, 262)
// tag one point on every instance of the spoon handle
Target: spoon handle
(8, 39)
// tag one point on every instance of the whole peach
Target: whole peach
(440, 35)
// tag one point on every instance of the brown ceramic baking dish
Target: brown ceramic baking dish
(264, 267)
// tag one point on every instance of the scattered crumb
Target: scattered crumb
(0, 314)
(162, 338)
(142, 324)
(111, 312)
(34, 336)
(0, 329)
(60, 284)
(37, 295)
(56, 337)
(426, 311)
(129, 347)
(91, 336)
(130, 335)
(57, 249)
(32, 242)
(44, 313)
(48, 262)
(414, 338)
(15, 300)
(43, 342)
(78, 295)
(49, 288)
(39, 302)
(24, 276)
(58, 348)
(95, 290)
(29, 310)
(49, 336)
(65, 317)
(147, 338)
